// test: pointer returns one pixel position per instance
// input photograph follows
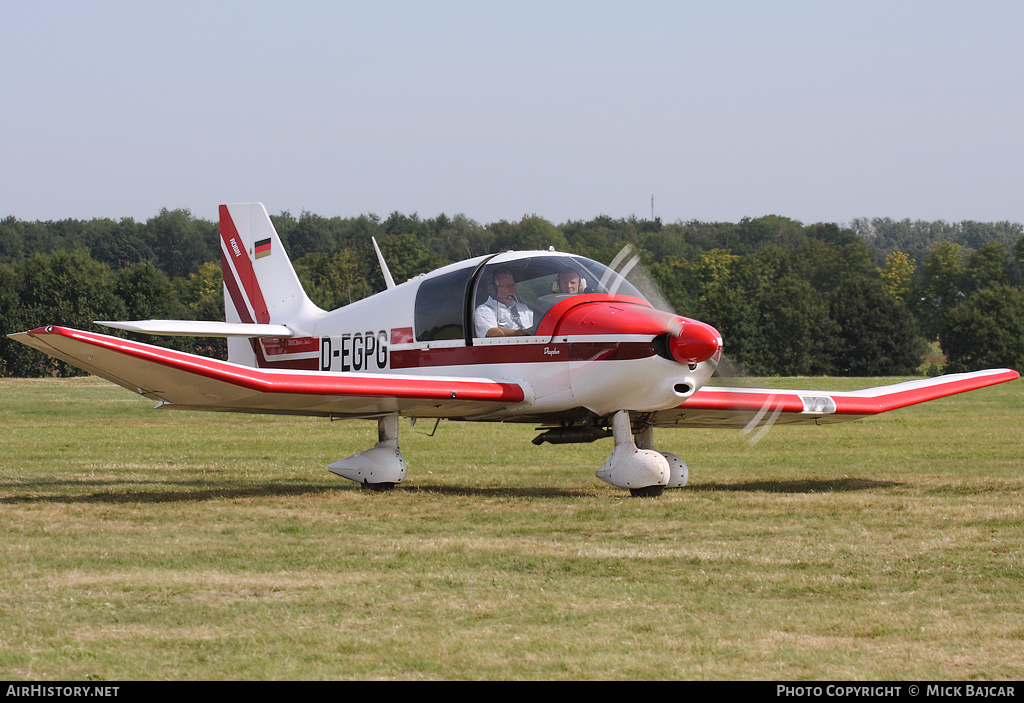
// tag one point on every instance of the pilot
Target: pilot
(569, 283)
(502, 315)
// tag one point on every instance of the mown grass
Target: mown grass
(141, 544)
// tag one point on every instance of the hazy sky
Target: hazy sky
(819, 110)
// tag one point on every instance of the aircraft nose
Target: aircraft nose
(696, 342)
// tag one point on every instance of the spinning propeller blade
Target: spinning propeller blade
(694, 341)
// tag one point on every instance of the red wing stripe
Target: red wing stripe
(718, 399)
(870, 401)
(298, 382)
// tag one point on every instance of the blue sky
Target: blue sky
(818, 111)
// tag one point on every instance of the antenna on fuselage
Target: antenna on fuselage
(388, 280)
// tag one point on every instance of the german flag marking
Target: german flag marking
(263, 248)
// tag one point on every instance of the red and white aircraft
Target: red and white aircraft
(594, 361)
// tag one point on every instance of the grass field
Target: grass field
(143, 544)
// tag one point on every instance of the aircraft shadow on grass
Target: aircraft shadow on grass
(121, 491)
(197, 491)
(837, 485)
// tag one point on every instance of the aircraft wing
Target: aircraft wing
(750, 407)
(187, 381)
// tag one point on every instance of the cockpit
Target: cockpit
(515, 290)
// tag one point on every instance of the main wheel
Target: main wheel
(647, 491)
(379, 487)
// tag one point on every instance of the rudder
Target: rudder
(260, 284)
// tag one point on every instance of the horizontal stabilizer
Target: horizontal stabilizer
(196, 328)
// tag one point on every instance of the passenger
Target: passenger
(569, 283)
(502, 315)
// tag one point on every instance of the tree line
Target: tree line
(880, 297)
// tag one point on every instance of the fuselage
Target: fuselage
(599, 350)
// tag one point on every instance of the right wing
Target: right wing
(749, 407)
(188, 381)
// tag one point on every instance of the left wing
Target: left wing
(749, 407)
(188, 381)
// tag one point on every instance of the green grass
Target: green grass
(142, 544)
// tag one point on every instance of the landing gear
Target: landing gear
(642, 471)
(380, 468)
(637, 465)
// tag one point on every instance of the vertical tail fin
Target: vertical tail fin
(260, 284)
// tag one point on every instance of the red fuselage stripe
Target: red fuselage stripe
(520, 354)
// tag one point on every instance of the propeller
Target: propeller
(690, 341)
(728, 371)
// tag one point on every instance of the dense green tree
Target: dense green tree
(285, 224)
(940, 287)
(987, 267)
(397, 223)
(674, 277)
(355, 233)
(20, 239)
(831, 233)
(180, 242)
(147, 293)
(877, 335)
(537, 233)
(68, 288)
(458, 238)
(12, 239)
(794, 334)
(202, 293)
(12, 320)
(530, 233)
(118, 244)
(64, 288)
(1017, 265)
(312, 233)
(333, 280)
(406, 257)
(986, 331)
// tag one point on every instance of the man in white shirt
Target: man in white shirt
(503, 315)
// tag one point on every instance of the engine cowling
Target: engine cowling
(686, 341)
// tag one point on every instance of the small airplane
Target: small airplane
(541, 337)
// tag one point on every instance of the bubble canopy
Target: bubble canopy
(446, 300)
